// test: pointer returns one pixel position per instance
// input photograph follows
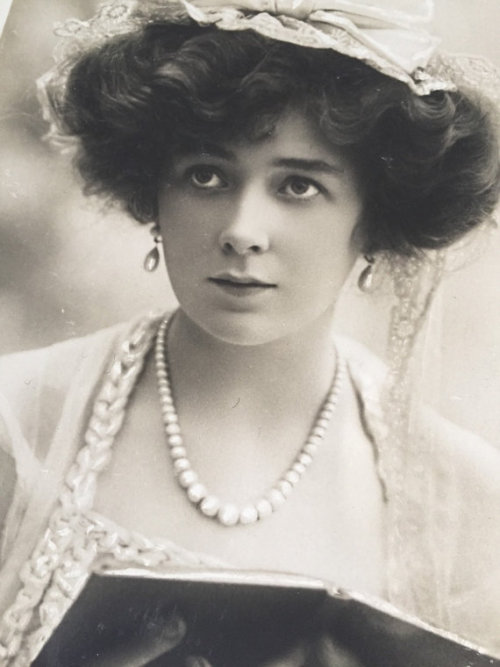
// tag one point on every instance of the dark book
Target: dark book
(244, 619)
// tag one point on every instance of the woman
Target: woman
(266, 166)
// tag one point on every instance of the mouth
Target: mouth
(242, 285)
(243, 281)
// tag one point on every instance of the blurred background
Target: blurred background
(68, 268)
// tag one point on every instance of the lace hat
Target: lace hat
(391, 36)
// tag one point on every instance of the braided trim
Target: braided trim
(60, 562)
(96, 544)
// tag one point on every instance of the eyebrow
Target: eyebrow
(304, 164)
(309, 165)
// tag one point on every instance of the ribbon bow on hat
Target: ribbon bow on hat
(387, 34)
(391, 12)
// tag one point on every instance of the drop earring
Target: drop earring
(152, 259)
(366, 277)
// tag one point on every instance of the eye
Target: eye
(206, 178)
(297, 187)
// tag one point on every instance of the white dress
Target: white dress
(442, 513)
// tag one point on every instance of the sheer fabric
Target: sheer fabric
(442, 497)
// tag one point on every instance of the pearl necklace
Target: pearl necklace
(209, 505)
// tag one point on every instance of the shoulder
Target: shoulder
(468, 471)
(35, 385)
(362, 362)
(471, 454)
(464, 457)
(22, 369)
(57, 365)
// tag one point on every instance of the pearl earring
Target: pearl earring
(152, 259)
(365, 280)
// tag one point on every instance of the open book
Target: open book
(245, 619)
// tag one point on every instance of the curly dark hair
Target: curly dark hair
(427, 165)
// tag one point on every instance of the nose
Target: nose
(245, 233)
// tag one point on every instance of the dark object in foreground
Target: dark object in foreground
(241, 619)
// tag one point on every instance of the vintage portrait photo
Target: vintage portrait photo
(250, 333)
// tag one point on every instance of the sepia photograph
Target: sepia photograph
(250, 333)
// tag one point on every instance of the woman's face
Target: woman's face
(258, 236)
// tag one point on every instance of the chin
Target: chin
(243, 329)
(238, 330)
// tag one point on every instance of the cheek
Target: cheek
(332, 249)
(327, 261)
(183, 225)
(328, 270)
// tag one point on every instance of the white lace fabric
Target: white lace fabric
(431, 557)
(76, 544)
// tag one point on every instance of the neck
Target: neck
(285, 370)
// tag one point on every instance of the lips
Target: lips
(241, 287)
(240, 281)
